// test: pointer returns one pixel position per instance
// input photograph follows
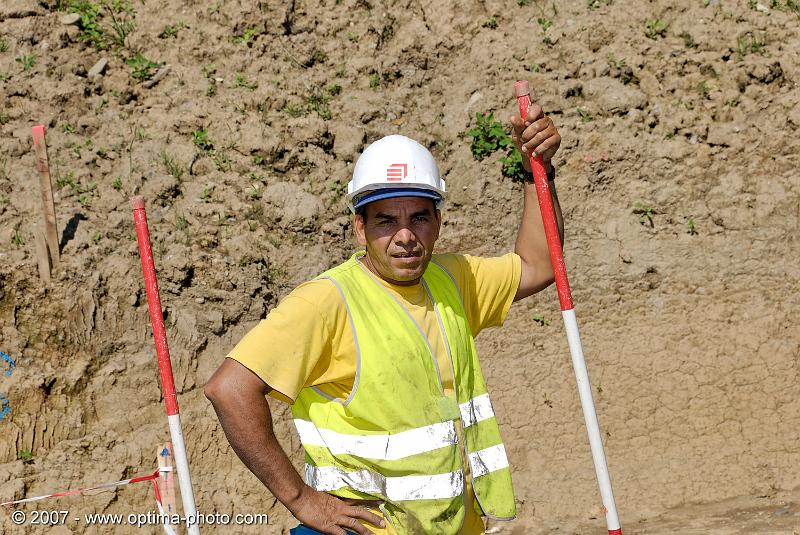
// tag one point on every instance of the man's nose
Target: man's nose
(404, 236)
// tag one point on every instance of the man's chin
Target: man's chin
(408, 271)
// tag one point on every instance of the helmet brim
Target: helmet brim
(391, 193)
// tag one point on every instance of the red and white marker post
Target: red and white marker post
(522, 92)
(164, 363)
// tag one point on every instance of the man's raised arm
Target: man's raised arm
(536, 135)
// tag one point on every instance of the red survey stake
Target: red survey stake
(522, 92)
(164, 363)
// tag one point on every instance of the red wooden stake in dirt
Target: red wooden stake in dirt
(164, 363)
(522, 92)
(46, 240)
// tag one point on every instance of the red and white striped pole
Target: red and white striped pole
(522, 92)
(164, 364)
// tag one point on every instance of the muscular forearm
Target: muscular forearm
(531, 244)
(247, 422)
(238, 398)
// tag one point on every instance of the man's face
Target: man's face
(399, 235)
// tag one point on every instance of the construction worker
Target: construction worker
(376, 357)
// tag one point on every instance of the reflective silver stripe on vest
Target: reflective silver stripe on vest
(384, 447)
(440, 486)
(476, 410)
(488, 460)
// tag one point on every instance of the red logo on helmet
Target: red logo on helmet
(396, 172)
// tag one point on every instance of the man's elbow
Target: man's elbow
(213, 390)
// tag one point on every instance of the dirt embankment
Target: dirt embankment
(678, 177)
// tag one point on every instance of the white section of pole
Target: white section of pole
(590, 416)
(184, 479)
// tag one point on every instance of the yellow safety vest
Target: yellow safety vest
(394, 438)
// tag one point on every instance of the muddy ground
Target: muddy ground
(677, 174)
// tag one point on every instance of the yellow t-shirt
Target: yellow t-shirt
(307, 339)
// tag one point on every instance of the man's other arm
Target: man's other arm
(238, 397)
(537, 135)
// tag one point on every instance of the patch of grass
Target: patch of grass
(27, 62)
(68, 180)
(750, 44)
(544, 23)
(4, 118)
(117, 184)
(645, 213)
(201, 140)
(4, 76)
(318, 102)
(585, 115)
(688, 40)
(704, 89)
(614, 61)
(104, 24)
(691, 227)
(221, 161)
(295, 110)
(334, 90)
(374, 80)
(141, 67)
(241, 81)
(655, 28)
(247, 37)
(208, 72)
(541, 320)
(512, 166)
(793, 5)
(490, 23)
(352, 37)
(170, 31)
(26, 456)
(171, 166)
(181, 223)
(205, 196)
(488, 136)
(319, 56)
(254, 193)
(3, 45)
(17, 238)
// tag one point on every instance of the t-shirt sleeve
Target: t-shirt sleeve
(488, 286)
(291, 346)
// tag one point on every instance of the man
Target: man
(377, 358)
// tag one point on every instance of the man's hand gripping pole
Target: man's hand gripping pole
(522, 92)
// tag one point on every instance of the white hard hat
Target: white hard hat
(394, 166)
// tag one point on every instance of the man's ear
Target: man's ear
(360, 232)
(438, 219)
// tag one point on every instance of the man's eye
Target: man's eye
(421, 218)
